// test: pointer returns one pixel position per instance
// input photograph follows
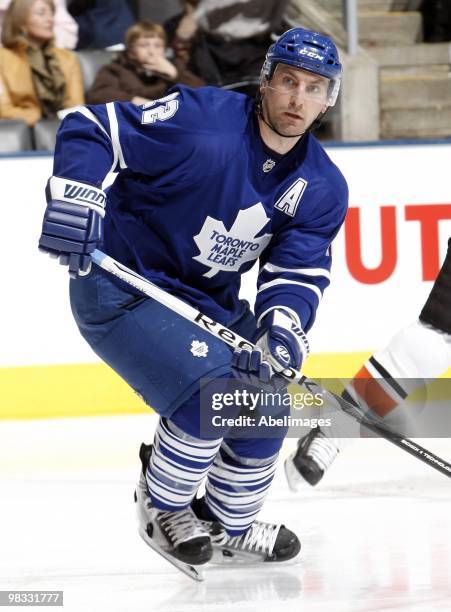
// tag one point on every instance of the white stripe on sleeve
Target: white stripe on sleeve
(281, 281)
(114, 129)
(306, 271)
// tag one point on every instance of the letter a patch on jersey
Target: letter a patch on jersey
(289, 202)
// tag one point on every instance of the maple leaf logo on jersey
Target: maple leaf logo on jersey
(227, 251)
(199, 349)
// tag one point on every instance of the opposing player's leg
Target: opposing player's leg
(437, 309)
(419, 351)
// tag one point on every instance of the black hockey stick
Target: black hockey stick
(290, 374)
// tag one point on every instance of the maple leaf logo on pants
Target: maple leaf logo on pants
(222, 250)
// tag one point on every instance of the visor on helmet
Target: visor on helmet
(313, 87)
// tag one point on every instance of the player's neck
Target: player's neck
(274, 141)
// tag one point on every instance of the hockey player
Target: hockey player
(208, 181)
(419, 351)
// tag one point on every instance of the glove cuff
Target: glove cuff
(282, 340)
(285, 309)
(74, 192)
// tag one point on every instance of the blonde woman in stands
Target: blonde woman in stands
(37, 79)
(66, 28)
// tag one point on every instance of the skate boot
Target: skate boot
(178, 536)
(262, 542)
(314, 454)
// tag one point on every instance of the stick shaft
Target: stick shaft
(235, 341)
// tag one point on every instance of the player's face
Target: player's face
(293, 99)
(147, 49)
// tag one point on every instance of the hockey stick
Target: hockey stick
(235, 341)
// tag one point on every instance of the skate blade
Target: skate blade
(233, 556)
(189, 570)
(295, 481)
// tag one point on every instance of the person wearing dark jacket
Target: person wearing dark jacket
(142, 72)
(225, 42)
(101, 23)
(436, 20)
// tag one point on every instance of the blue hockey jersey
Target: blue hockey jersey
(198, 198)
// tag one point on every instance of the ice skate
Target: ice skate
(180, 537)
(313, 456)
(262, 542)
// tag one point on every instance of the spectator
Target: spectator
(37, 79)
(142, 72)
(181, 31)
(436, 20)
(66, 28)
(101, 23)
(226, 42)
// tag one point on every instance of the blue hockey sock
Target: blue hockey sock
(178, 464)
(236, 489)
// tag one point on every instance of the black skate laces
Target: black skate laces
(260, 537)
(180, 526)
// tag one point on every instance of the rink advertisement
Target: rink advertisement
(384, 261)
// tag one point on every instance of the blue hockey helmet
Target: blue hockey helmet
(309, 51)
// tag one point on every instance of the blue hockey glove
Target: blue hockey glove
(282, 344)
(72, 225)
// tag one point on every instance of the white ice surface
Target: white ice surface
(375, 535)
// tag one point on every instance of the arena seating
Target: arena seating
(15, 136)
